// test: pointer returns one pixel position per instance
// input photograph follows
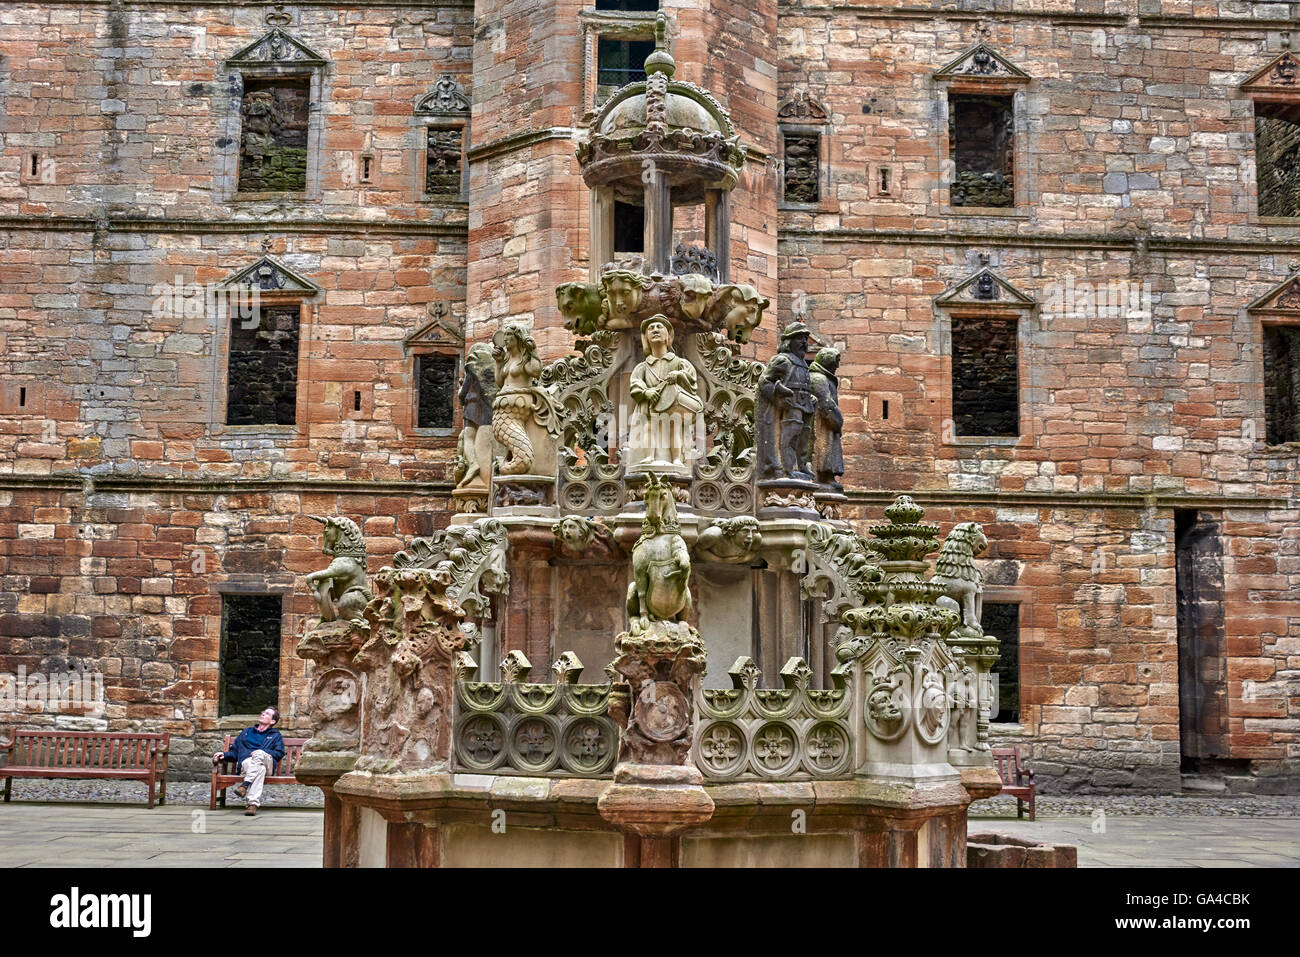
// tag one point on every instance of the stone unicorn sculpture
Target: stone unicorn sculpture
(661, 562)
(341, 589)
(962, 581)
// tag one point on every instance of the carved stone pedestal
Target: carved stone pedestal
(788, 498)
(831, 506)
(524, 495)
(654, 802)
(471, 503)
(679, 480)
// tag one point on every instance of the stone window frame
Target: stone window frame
(438, 336)
(613, 25)
(1280, 306)
(1024, 597)
(1013, 304)
(446, 107)
(1278, 81)
(302, 291)
(1014, 83)
(805, 115)
(253, 585)
(245, 65)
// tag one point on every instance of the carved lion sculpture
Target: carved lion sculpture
(341, 589)
(579, 304)
(955, 569)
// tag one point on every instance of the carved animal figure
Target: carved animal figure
(955, 569)
(661, 563)
(341, 589)
(579, 303)
(738, 309)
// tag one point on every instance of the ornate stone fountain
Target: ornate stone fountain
(776, 688)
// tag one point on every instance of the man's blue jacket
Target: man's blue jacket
(250, 740)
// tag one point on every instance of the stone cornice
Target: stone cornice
(1063, 18)
(333, 227)
(221, 486)
(950, 497)
(909, 237)
(250, 4)
(517, 141)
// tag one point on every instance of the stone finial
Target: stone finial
(515, 667)
(660, 61)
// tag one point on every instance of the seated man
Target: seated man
(255, 752)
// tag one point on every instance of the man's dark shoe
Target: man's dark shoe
(241, 789)
(251, 811)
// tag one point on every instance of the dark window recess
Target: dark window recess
(1001, 620)
(985, 377)
(628, 6)
(442, 168)
(250, 653)
(629, 228)
(263, 369)
(802, 168)
(1281, 383)
(1277, 158)
(1202, 642)
(273, 135)
(621, 61)
(980, 134)
(436, 378)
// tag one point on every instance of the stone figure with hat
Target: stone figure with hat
(785, 409)
(827, 449)
(667, 397)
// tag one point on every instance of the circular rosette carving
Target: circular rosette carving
(932, 711)
(826, 749)
(609, 496)
(708, 496)
(721, 750)
(737, 498)
(775, 750)
(589, 746)
(886, 712)
(481, 742)
(662, 712)
(535, 744)
(576, 496)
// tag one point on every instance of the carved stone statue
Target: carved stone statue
(579, 535)
(739, 309)
(785, 409)
(477, 392)
(827, 451)
(579, 303)
(661, 563)
(623, 291)
(341, 588)
(733, 540)
(963, 582)
(665, 392)
(697, 290)
(525, 419)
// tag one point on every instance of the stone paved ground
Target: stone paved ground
(133, 792)
(1130, 805)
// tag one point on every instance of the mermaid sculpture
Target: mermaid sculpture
(525, 419)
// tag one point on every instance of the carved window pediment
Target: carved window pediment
(268, 276)
(447, 98)
(1281, 298)
(440, 331)
(982, 63)
(799, 107)
(1281, 74)
(985, 288)
(274, 49)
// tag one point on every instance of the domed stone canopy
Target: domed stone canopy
(677, 126)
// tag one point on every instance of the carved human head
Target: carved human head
(623, 292)
(794, 339)
(657, 329)
(829, 359)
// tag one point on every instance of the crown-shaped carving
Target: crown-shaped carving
(985, 287)
(267, 275)
(799, 106)
(1283, 297)
(1280, 73)
(982, 62)
(275, 48)
(447, 98)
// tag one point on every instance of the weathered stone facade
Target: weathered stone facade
(129, 506)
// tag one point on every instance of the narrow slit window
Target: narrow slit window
(981, 146)
(1001, 620)
(443, 164)
(435, 377)
(629, 228)
(1282, 383)
(985, 377)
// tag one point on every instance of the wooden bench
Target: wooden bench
(119, 756)
(226, 774)
(1017, 780)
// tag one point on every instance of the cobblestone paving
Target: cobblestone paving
(133, 792)
(1134, 805)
